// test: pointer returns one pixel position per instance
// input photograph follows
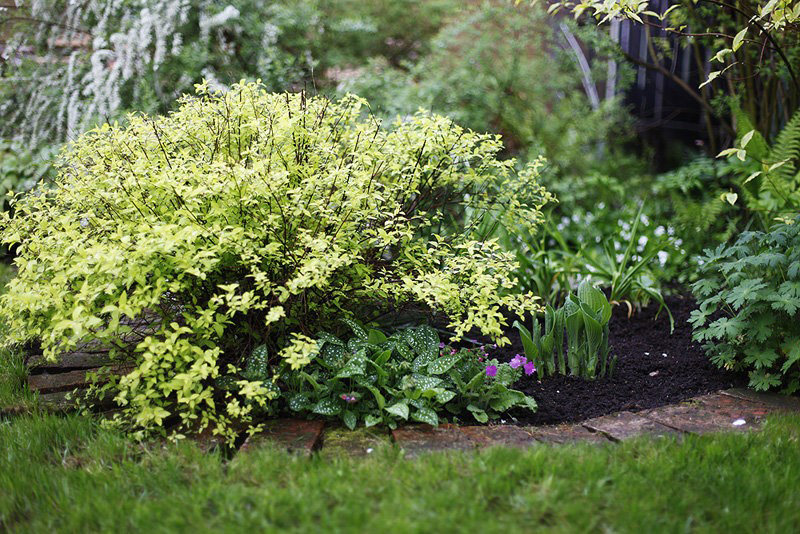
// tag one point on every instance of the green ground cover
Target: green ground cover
(66, 474)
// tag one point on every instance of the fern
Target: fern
(782, 184)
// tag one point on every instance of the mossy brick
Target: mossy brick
(340, 441)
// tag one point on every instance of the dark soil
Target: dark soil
(653, 368)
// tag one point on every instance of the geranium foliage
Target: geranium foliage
(248, 219)
(749, 299)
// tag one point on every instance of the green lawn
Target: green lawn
(64, 473)
(67, 474)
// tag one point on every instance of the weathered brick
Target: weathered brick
(499, 435)
(625, 425)
(562, 434)
(419, 439)
(292, 434)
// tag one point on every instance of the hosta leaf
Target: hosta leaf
(399, 409)
(443, 364)
(350, 420)
(426, 415)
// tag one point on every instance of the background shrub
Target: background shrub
(247, 218)
(749, 296)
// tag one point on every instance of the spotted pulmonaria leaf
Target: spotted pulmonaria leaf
(424, 341)
(400, 410)
(357, 365)
(444, 363)
(328, 407)
(350, 420)
(426, 415)
(357, 329)
(258, 364)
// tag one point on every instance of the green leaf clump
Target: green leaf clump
(248, 219)
(748, 300)
(584, 318)
(408, 376)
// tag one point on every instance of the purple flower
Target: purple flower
(529, 368)
(441, 345)
(518, 361)
(491, 370)
(349, 399)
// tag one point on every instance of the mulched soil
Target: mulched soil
(653, 369)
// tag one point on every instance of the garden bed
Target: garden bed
(654, 368)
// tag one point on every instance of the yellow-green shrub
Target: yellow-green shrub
(246, 219)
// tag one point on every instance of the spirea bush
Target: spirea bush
(248, 219)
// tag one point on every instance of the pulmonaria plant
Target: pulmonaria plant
(373, 379)
(246, 219)
(748, 299)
